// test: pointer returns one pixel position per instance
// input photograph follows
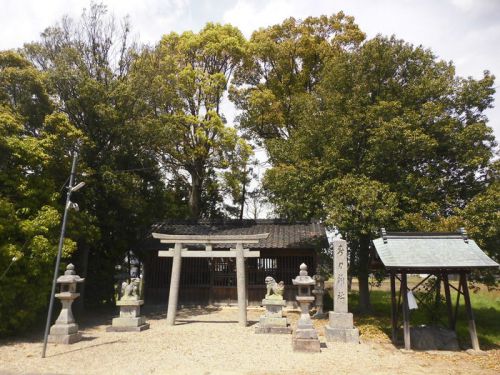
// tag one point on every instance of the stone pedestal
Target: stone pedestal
(65, 330)
(305, 338)
(129, 319)
(340, 328)
(273, 320)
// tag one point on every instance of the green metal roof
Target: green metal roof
(430, 250)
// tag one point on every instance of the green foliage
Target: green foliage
(365, 134)
(86, 63)
(180, 85)
(33, 146)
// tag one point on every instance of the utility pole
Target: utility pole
(67, 206)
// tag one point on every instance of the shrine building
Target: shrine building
(212, 281)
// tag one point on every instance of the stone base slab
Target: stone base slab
(63, 329)
(433, 338)
(128, 322)
(340, 320)
(273, 330)
(272, 322)
(127, 329)
(273, 302)
(130, 302)
(306, 334)
(346, 335)
(306, 345)
(65, 339)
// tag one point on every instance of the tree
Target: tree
(274, 86)
(87, 63)
(35, 145)
(180, 85)
(386, 132)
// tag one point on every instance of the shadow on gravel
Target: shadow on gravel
(85, 347)
(181, 322)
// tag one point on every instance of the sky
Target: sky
(464, 31)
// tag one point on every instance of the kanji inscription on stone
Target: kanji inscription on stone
(340, 276)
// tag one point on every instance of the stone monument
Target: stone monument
(340, 326)
(65, 330)
(305, 338)
(130, 319)
(273, 320)
(319, 291)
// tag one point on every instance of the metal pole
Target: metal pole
(59, 253)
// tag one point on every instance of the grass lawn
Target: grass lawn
(485, 306)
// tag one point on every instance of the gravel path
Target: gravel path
(211, 342)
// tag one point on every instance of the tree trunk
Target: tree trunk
(195, 195)
(363, 272)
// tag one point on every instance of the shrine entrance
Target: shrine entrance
(224, 280)
(228, 266)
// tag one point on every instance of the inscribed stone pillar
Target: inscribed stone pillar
(340, 326)
(174, 284)
(241, 285)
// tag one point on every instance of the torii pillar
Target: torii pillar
(177, 253)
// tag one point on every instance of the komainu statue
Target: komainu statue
(274, 290)
(131, 290)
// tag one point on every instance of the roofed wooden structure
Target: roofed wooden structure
(438, 254)
(212, 280)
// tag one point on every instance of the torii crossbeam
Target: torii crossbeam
(178, 252)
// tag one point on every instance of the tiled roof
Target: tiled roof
(282, 234)
(430, 250)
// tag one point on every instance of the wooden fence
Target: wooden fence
(213, 281)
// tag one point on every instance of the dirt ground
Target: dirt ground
(210, 341)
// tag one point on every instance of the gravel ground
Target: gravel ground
(210, 341)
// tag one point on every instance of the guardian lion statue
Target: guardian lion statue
(130, 291)
(274, 290)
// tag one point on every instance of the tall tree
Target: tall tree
(386, 133)
(87, 62)
(180, 85)
(35, 145)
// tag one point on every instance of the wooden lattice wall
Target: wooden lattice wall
(204, 281)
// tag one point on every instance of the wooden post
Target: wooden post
(406, 310)
(211, 270)
(437, 300)
(174, 284)
(394, 317)
(449, 306)
(241, 285)
(470, 315)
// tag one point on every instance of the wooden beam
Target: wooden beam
(470, 315)
(185, 253)
(394, 311)
(449, 304)
(210, 239)
(406, 311)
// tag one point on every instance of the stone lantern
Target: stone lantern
(305, 338)
(65, 330)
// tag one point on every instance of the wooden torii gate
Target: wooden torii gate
(178, 252)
